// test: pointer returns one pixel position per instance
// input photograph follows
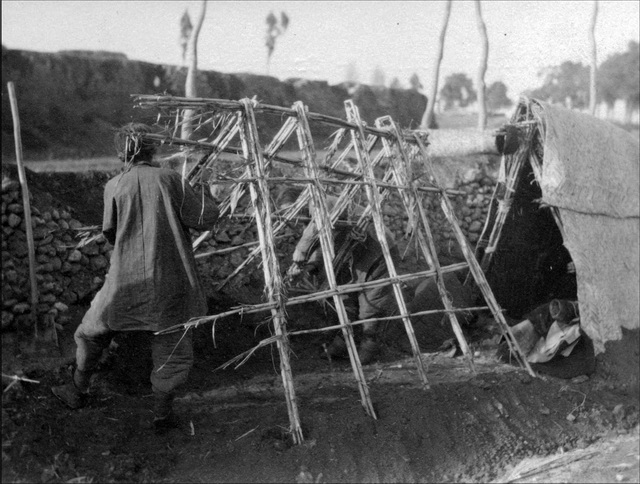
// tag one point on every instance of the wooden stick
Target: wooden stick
(513, 175)
(478, 274)
(146, 101)
(273, 281)
(339, 182)
(292, 301)
(446, 142)
(391, 318)
(375, 203)
(243, 357)
(301, 202)
(429, 250)
(323, 223)
(27, 206)
(228, 205)
(232, 249)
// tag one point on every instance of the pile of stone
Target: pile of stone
(70, 271)
(66, 271)
(471, 210)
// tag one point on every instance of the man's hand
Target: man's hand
(294, 271)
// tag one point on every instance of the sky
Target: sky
(325, 38)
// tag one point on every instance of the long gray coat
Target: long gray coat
(152, 282)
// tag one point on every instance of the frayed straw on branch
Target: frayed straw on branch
(244, 356)
(15, 379)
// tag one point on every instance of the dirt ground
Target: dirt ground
(499, 424)
(462, 428)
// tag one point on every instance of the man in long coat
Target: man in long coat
(152, 281)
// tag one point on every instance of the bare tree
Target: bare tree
(378, 77)
(190, 88)
(273, 32)
(594, 59)
(185, 32)
(351, 74)
(427, 118)
(415, 83)
(482, 69)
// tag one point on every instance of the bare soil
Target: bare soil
(462, 428)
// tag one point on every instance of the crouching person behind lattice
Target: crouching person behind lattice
(365, 262)
(152, 281)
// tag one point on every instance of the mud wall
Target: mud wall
(69, 102)
(70, 271)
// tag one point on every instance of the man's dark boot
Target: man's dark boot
(74, 394)
(162, 409)
(337, 349)
(164, 418)
(369, 349)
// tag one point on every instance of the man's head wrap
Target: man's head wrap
(131, 144)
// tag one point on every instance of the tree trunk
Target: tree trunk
(190, 87)
(427, 118)
(594, 59)
(482, 69)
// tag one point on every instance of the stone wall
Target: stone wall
(66, 273)
(70, 273)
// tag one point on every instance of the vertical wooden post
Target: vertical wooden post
(323, 223)
(428, 247)
(273, 280)
(375, 203)
(27, 206)
(476, 270)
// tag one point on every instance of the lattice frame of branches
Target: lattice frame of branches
(384, 148)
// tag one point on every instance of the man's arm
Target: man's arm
(110, 215)
(197, 210)
(307, 244)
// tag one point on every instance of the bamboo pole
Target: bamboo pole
(148, 101)
(478, 274)
(301, 202)
(27, 206)
(375, 203)
(292, 301)
(243, 357)
(325, 233)
(332, 181)
(444, 142)
(227, 133)
(505, 191)
(401, 170)
(273, 281)
(232, 249)
(365, 217)
(229, 204)
(285, 131)
(429, 250)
